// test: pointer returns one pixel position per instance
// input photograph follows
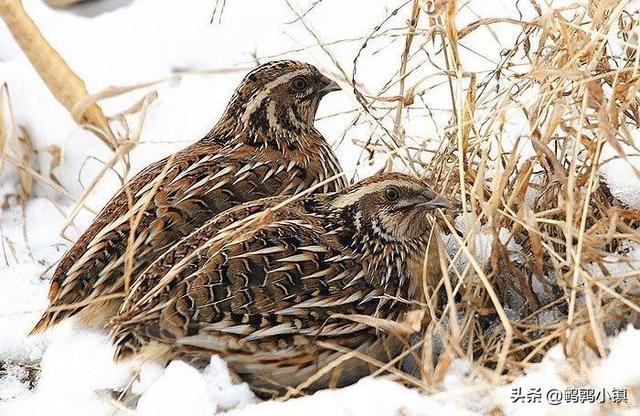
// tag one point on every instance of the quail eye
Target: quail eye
(391, 193)
(299, 84)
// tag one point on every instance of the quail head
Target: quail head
(269, 285)
(265, 144)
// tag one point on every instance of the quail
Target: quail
(265, 144)
(267, 283)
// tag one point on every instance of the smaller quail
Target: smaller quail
(265, 286)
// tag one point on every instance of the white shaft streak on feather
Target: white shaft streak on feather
(247, 167)
(371, 295)
(317, 274)
(207, 342)
(339, 277)
(339, 257)
(335, 329)
(298, 258)
(324, 302)
(172, 273)
(314, 248)
(117, 222)
(194, 166)
(288, 188)
(303, 186)
(241, 178)
(355, 279)
(402, 278)
(267, 250)
(115, 262)
(281, 329)
(267, 175)
(332, 165)
(245, 171)
(209, 178)
(288, 223)
(284, 268)
(77, 266)
(227, 326)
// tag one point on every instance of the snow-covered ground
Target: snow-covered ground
(122, 43)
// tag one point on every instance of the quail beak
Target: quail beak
(438, 202)
(330, 87)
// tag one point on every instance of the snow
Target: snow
(547, 373)
(200, 393)
(179, 381)
(198, 64)
(555, 371)
(613, 370)
(77, 373)
(19, 312)
(368, 397)
(483, 242)
(623, 263)
(26, 254)
(619, 175)
(13, 383)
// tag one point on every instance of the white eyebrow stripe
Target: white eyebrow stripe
(266, 90)
(348, 199)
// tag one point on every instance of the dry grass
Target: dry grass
(64, 84)
(569, 82)
(557, 235)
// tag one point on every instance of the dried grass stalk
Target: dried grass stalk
(66, 86)
(62, 4)
(27, 155)
(4, 92)
(523, 152)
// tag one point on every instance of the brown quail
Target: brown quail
(265, 144)
(265, 289)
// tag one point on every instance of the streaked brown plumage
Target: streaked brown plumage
(265, 144)
(263, 290)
